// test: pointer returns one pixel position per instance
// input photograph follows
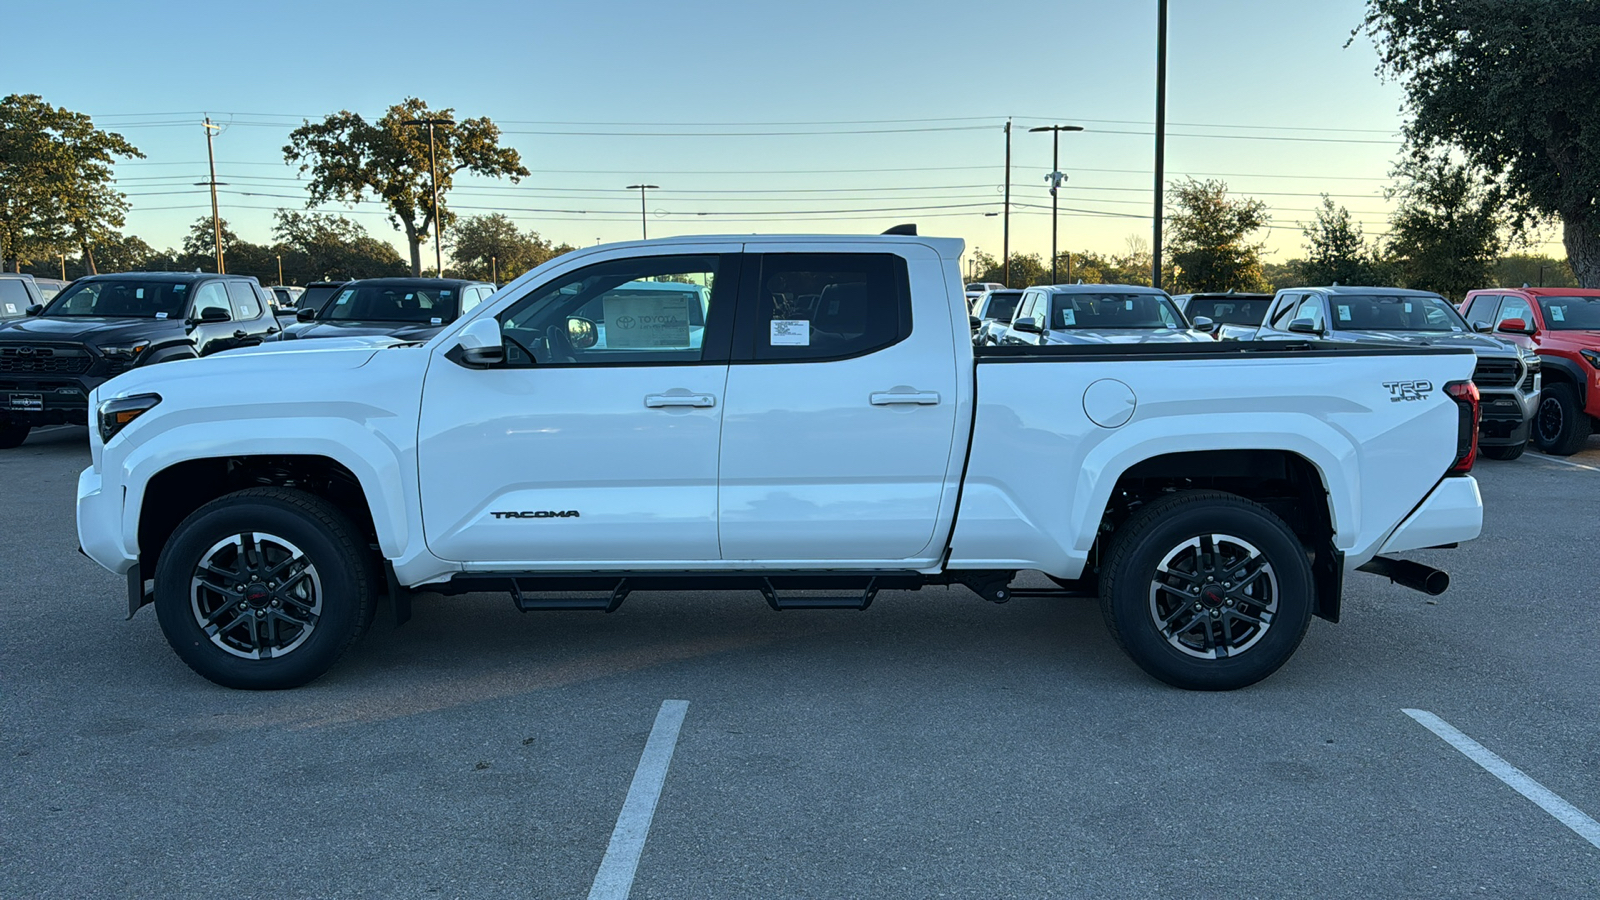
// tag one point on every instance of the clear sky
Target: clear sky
(705, 98)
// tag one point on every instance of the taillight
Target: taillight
(1465, 393)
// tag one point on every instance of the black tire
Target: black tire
(1560, 426)
(304, 623)
(12, 435)
(1280, 583)
(1505, 451)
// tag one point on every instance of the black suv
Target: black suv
(103, 325)
(410, 309)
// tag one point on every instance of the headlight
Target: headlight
(125, 351)
(114, 415)
(1592, 356)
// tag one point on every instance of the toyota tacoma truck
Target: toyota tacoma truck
(1561, 325)
(828, 433)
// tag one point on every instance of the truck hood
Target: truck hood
(1126, 336)
(403, 331)
(1482, 344)
(262, 366)
(97, 330)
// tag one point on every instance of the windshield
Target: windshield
(316, 297)
(1112, 310)
(1381, 312)
(394, 303)
(1571, 313)
(121, 299)
(1002, 306)
(1230, 310)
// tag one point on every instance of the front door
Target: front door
(841, 408)
(596, 441)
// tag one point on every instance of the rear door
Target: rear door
(595, 444)
(841, 407)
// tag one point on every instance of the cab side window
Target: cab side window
(1313, 308)
(1514, 307)
(1282, 316)
(245, 303)
(211, 295)
(1482, 309)
(656, 309)
(821, 306)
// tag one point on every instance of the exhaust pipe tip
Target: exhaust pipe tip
(1409, 574)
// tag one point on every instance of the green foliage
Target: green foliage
(1339, 253)
(326, 247)
(488, 247)
(1209, 238)
(1518, 269)
(349, 159)
(56, 180)
(1448, 229)
(1514, 88)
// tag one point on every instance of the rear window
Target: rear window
(1230, 310)
(819, 306)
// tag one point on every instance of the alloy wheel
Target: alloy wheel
(256, 595)
(1214, 596)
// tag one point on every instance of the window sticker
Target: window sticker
(645, 322)
(180, 288)
(1130, 304)
(444, 293)
(1069, 317)
(791, 333)
(11, 308)
(1558, 313)
(138, 293)
(1344, 313)
(1408, 306)
(344, 298)
(435, 321)
(161, 315)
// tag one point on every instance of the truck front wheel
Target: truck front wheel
(1207, 590)
(264, 588)
(12, 435)
(1560, 427)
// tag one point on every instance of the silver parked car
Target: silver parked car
(1102, 314)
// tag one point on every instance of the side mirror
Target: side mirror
(36, 309)
(1029, 324)
(479, 345)
(582, 333)
(1304, 326)
(974, 322)
(1514, 326)
(1482, 327)
(306, 314)
(1204, 325)
(213, 314)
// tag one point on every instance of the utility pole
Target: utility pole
(64, 270)
(1005, 228)
(644, 227)
(216, 217)
(433, 184)
(1161, 139)
(280, 268)
(494, 270)
(1054, 179)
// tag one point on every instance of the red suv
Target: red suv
(1563, 326)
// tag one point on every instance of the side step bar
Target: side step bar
(1406, 573)
(607, 604)
(779, 604)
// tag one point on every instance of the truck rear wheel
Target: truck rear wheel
(1560, 427)
(1207, 590)
(12, 435)
(264, 588)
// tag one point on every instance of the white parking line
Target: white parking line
(1515, 778)
(1564, 462)
(615, 878)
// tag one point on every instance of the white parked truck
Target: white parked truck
(818, 429)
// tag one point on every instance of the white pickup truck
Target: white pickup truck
(817, 429)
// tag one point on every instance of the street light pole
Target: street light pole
(644, 227)
(1005, 227)
(1054, 179)
(280, 268)
(1161, 140)
(216, 220)
(433, 184)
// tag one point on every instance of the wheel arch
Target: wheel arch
(1559, 369)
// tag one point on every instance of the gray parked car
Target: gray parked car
(1102, 314)
(992, 314)
(1237, 315)
(1507, 375)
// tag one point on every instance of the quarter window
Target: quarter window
(655, 309)
(820, 306)
(1481, 310)
(245, 304)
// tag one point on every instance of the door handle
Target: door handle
(913, 398)
(664, 401)
(241, 334)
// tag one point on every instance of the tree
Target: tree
(1027, 269)
(1447, 231)
(490, 246)
(1209, 247)
(1514, 88)
(322, 246)
(349, 158)
(56, 179)
(1338, 252)
(1517, 269)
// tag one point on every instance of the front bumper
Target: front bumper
(1507, 417)
(100, 523)
(1452, 512)
(54, 401)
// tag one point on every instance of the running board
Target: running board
(607, 604)
(779, 604)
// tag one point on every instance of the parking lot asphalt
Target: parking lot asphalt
(932, 746)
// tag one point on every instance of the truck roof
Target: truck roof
(946, 247)
(1098, 288)
(1365, 289)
